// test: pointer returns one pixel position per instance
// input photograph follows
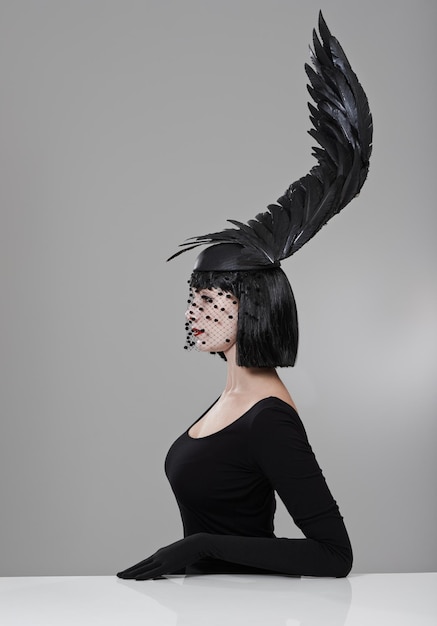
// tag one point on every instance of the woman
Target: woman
(226, 468)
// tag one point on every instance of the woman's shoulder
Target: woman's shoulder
(275, 404)
(273, 409)
(276, 429)
(273, 417)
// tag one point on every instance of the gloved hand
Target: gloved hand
(170, 559)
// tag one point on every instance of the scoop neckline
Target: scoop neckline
(217, 432)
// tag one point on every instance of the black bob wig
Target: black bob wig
(267, 332)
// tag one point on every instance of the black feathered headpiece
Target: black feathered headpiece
(342, 126)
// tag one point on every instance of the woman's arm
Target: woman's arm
(281, 453)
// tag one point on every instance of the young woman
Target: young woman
(250, 444)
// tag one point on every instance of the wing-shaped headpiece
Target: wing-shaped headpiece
(342, 126)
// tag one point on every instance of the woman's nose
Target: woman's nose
(190, 314)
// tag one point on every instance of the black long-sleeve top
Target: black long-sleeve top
(225, 486)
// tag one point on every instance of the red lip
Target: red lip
(197, 331)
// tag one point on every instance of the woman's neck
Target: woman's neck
(246, 385)
(246, 379)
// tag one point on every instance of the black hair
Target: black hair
(267, 332)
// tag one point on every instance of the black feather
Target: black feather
(342, 126)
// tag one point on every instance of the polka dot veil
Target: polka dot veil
(212, 317)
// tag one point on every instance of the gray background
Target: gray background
(127, 127)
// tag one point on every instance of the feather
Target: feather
(342, 126)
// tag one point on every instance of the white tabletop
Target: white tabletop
(360, 600)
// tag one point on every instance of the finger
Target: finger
(132, 573)
(133, 567)
(130, 570)
(154, 573)
(146, 569)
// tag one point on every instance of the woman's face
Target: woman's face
(212, 317)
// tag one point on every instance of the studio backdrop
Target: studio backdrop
(127, 126)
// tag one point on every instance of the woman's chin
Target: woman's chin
(211, 347)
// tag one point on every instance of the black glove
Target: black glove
(169, 560)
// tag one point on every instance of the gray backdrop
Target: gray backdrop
(127, 126)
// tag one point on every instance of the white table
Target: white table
(360, 600)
